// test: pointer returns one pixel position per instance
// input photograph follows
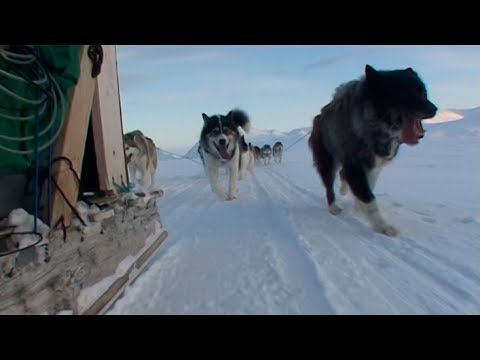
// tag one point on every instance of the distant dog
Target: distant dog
(220, 147)
(277, 152)
(141, 157)
(257, 153)
(266, 154)
(361, 130)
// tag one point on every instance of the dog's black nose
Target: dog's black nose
(432, 110)
(222, 142)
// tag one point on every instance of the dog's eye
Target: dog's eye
(227, 131)
(215, 131)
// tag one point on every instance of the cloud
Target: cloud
(168, 53)
(334, 60)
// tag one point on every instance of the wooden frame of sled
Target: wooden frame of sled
(96, 100)
(89, 266)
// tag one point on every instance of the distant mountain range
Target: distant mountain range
(260, 137)
(166, 155)
(447, 121)
(455, 123)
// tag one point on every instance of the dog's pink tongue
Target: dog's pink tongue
(412, 131)
(222, 150)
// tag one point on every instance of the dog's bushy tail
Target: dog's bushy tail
(241, 119)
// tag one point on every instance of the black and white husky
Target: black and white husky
(219, 146)
(266, 154)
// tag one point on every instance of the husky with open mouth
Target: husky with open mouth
(219, 146)
(361, 130)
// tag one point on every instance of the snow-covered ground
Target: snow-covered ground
(277, 250)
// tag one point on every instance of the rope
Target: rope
(182, 156)
(26, 247)
(37, 193)
(308, 133)
(195, 161)
(51, 93)
(37, 163)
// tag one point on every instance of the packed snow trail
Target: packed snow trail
(277, 249)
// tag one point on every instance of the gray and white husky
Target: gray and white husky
(141, 157)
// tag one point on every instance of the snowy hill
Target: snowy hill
(166, 155)
(277, 250)
(444, 116)
(454, 123)
(193, 152)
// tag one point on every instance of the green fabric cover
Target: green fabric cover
(63, 63)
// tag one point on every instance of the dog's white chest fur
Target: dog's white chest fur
(381, 161)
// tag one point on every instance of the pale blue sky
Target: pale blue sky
(165, 89)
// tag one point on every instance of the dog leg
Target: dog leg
(243, 166)
(140, 177)
(251, 163)
(213, 177)
(232, 185)
(374, 216)
(359, 184)
(147, 180)
(373, 177)
(325, 166)
(153, 177)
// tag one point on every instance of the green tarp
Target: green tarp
(63, 63)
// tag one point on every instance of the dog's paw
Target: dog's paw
(231, 197)
(334, 209)
(219, 191)
(357, 205)
(220, 194)
(388, 230)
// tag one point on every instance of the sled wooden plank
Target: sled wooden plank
(107, 125)
(115, 290)
(71, 143)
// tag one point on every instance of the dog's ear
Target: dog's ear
(370, 72)
(230, 115)
(206, 119)
(136, 137)
(410, 71)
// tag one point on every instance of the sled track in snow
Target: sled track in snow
(346, 237)
(277, 250)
